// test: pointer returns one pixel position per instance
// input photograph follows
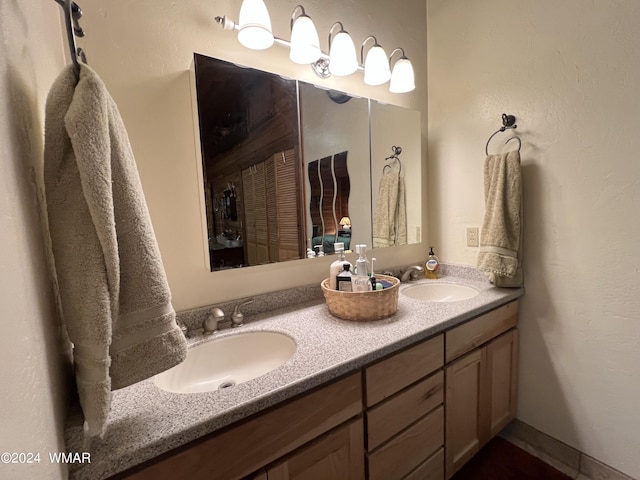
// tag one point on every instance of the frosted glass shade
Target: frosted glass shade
(255, 25)
(342, 55)
(376, 66)
(305, 44)
(402, 77)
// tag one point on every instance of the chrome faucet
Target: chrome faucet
(409, 273)
(210, 324)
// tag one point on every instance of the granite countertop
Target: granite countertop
(146, 421)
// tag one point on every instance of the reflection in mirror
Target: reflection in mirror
(251, 164)
(329, 202)
(332, 123)
(396, 178)
(256, 163)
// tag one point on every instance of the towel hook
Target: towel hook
(72, 13)
(508, 121)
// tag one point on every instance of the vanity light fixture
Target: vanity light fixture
(376, 64)
(254, 31)
(402, 76)
(255, 25)
(305, 44)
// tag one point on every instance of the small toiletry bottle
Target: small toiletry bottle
(337, 266)
(343, 279)
(361, 262)
(432, 266)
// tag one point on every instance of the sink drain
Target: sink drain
(228, 384)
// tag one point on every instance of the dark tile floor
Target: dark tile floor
(501, 460)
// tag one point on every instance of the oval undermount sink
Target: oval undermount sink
(227, 361)
(439, 292)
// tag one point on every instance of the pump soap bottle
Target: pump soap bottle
(432, 266)
(337, 266)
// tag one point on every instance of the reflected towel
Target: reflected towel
(500, 254)
(390, 216)
(113, 290)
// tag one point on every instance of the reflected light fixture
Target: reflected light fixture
(255, 25)
(305, 44)
(254, 31)
(343, 60)
(402, 76)
(376, 64)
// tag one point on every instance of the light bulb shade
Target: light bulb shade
(402, 77)
(342, 55)
(305, 44)
(255, 25)
(376, 66)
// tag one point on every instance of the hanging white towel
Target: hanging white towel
(390, 216)
(500, 254)
(113, 289)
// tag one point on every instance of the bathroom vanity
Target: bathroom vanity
(356, 400)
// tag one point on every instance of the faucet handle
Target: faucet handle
(237, 317)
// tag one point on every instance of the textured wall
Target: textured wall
(31, 397)
(143, 51)
(569, 71)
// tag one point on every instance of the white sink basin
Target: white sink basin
(439, 292)
(227, 361)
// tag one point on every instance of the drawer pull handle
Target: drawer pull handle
(432, 391)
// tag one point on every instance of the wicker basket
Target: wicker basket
(363, 306)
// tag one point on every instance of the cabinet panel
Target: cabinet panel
(465, 400)
(337, 455)
(390, 417)
(405, 452)
(474, 333)
(432, 469)
(502, 368)
(402, 369)
(250, 445)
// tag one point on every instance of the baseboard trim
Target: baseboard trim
(568, 460)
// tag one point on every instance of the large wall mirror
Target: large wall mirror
(290, 167)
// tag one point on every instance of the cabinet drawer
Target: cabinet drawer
(432, 469)
(404, 453)
(240, 450)
(466, 337)
(396, 413)
(402, 369)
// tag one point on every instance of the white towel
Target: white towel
(114, 293)
(500, 254)
(390, 216)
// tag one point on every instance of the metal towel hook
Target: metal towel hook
(508, 121)
(72, 13)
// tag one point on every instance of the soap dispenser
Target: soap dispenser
(337, 266)
(432, 266)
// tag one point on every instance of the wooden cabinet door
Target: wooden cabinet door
(337, 455)
(480, 397)
(502, 374)
(465, 401)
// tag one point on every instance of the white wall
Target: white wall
(143, 51)
(570, 73)
(32, 393)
